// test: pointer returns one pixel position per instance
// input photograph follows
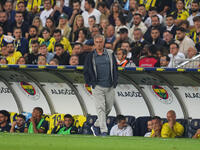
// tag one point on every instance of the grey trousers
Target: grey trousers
(104, 101)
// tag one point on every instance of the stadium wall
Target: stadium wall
(61, 89)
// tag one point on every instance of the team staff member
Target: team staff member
(4, 123)
(172, 129)
(100, 72)
(66, 126)
(19, 124)
(36, 124)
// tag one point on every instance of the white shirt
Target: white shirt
(169, 28)
(44, 15)
(141, 26)
(185, 44)
(176, 60)
(127, 131)
(190, 19)
(148, 20)
(95, 13)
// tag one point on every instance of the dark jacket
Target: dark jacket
(90, 75)
(63, 59)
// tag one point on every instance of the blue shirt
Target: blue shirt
(103, 69)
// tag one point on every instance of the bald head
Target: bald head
(192, 51)
(171, 115)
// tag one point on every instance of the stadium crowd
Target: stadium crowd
(144, 33)
(66, 126)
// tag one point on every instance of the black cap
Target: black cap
(123, 30)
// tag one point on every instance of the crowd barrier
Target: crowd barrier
(61, 89)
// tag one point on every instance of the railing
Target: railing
(188, 63)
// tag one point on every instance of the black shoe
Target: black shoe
(104, 134)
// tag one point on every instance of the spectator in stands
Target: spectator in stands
(122, 59)
(33, 56)
(42, 60)
(170, 26)
(18, 125)
(8, 7)
(156, 39)
(155, 23)
(153, 12)
(103, 8)
(180, 13)
(20, 43)
(149, 128)
(4, 121)
(197, 45)
(91, 22)
(164, 61)
(64, 26)
(185, 24)
(3, 61)
(77, 25)
(20, 23)
(65, 127)
(4, 51)
(103, 86)
(121, 128)
(138, 23)
(127, 46)
(54, 62)
(77, 50)
(34, 36)
(192, 52)
(36, 124)
(176, 57)
(172, 128)
(13, 55)
(123, 36)
(115, 11)
(27, 16)
(50, 24)
(197, 134)
(103, 25)
(150, 59)
(1, 37)
(5, 23)
(110, 34)
(43, 51)
(168, 38)
(48, 40)
(76, 11)
(46, 12)
(74, 60)
(195, 12)
(194, 35)
(90, 10)
(120, 22)
(38, 24)
(82, 36)
(58, 38)
(21, 61)
(183, 41)
(143, 12)
(62, 55)
(156, 127)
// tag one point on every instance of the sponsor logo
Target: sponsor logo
(29, 90)
(62, 92)
(162, 94)
(4, 90)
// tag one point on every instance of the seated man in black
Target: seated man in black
(18, 125)
(4, 121)
(66, 126)
(36, 124)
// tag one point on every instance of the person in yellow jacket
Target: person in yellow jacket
(172, 129)
(58, 38)
(156, 126)
(13, 55)
(197, 134)
(148, 3)
(34, 5)
(181, 13)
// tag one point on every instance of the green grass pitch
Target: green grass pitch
(82, 142)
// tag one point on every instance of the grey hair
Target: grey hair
(99, 36)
